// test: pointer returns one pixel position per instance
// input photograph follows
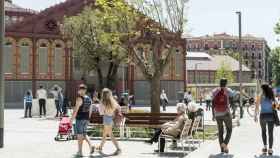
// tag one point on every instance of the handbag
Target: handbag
(276, 118)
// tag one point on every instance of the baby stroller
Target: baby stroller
(65, 131)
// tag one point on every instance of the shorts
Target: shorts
(107, 120)
(81, 127)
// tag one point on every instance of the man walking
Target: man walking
(163, 100)
(221, 111)
(82, 115)
(42, 97)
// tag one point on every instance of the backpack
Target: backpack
(220, 101)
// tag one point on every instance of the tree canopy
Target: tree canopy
(224, 72)
(275, 60)
(100, 35)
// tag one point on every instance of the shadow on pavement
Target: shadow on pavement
(173, 154)
(221, 156)
(93, 156)
(266, 156)
(167, 154)
(187, 149)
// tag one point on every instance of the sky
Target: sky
(215, 16)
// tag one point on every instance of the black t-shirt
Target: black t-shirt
(83, 112)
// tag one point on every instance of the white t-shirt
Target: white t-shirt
(42, 94)
(163, 96)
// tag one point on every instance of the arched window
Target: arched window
(43, 51)
(9, 55)
(58, 58)
(24, 55)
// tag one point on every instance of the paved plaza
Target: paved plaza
(246, 142)
(34, 138)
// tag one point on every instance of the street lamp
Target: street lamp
(195, 78)
(240, 56)
(2, 32)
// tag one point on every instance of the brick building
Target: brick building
(255, 51)
(36, 54)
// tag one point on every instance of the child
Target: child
(28, 104)
(107, 108)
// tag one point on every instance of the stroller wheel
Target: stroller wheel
(55, 138)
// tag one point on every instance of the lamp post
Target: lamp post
(2, 32)
(240, 55)
(195, 78)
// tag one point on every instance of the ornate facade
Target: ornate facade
(35, 51)
(37, 54)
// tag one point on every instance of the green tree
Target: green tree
(275, 62)
(275, 59)
(224, 71)
(100, 36)
(158, 39)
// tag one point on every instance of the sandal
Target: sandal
(117, 152)
(264, 151)
(270, 152)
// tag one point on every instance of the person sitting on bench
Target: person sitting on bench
(172, 128)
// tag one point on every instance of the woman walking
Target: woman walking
(267, 120)
(107, 108)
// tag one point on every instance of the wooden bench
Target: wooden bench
(152, 120)
(145, 120)
(149, 120)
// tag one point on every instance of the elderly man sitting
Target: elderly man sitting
(172, 128)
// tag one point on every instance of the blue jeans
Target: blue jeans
(28, 107)
(58, 108)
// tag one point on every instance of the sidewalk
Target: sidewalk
(34, 138)
(246, 142)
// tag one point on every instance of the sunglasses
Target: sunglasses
(82, 88)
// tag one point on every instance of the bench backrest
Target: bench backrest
(149, 118)
(96, 118)
(186, 130)
(196, 124)
(140, 118)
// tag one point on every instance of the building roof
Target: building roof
(203, 61)
(226, 36)
(9, 6)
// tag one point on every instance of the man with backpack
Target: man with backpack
(221, 112)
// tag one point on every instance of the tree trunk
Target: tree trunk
(100, 78)
(155, 94)
(112, 76)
